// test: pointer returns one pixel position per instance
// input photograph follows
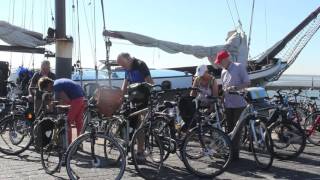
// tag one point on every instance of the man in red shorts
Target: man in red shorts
(67, 92)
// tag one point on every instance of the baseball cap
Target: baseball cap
(201, 70)
(221, 56)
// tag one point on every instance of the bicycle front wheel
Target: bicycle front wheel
(288, 139)
(15, 134)
(86, 158)
(206, 152)
(261, 144)
(147, 152)
(312, 128)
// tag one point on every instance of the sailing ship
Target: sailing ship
(267, 67)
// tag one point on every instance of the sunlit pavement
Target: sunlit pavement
(307, 166)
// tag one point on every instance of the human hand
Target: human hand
(231, 88)
(30, 98)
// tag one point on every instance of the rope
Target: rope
(107, 44)
(95, 40)
(52, 17)
(32, 15)
(266, 23)
(251, 22)
(236, 6)
(88, 29)
(79, 47)
(73, 14)
(234, 24)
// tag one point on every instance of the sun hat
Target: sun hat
(201, 70)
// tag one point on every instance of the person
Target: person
(136, 71)
(35, 95)
(234, 76)
(206, 83)
(67, 92)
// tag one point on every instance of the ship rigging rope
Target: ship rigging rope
(234, 23)
(74, 33)
(251, 22)
(88, 29)
(239, 20)
(78, 31)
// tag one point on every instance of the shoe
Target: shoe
(140, 158)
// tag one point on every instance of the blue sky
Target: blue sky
(202, 22)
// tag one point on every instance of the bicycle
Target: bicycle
(142, 142)
(95, 153)
(205, 149)
(54, 140)
(288, 137)
(260, 141)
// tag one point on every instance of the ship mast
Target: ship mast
(63, 44)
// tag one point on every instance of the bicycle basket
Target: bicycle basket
(108, 100)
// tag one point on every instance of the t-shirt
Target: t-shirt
(35, 78)
(138, 72)
(235, 75)
(69, 87)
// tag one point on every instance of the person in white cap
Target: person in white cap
(206, 83)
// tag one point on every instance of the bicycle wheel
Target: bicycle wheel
(116, 129)
(147, 152)
(288, 139)
(312, 128)
(85, 158)
(206, 153)
(166, 135)
(261, 144)
(15, 135)
(50, 158)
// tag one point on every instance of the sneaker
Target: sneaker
(140, 159)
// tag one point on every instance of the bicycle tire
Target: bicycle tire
(310, 125)
(267, 145)
(288, 138)
(50, 148)
(6, 125)
(218, 143)
(152, 145)
(74, 149)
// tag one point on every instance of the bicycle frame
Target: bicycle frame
(314, 126)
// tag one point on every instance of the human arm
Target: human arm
(33, 84)
(149, 80)
(193, 93)
(124, 86)
(215, 88)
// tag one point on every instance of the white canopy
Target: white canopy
(236, 44)
(18, 36)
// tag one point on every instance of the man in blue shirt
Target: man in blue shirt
(67, 92)
(136, 71)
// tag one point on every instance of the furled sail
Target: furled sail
(17, 36)
(236, 44)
